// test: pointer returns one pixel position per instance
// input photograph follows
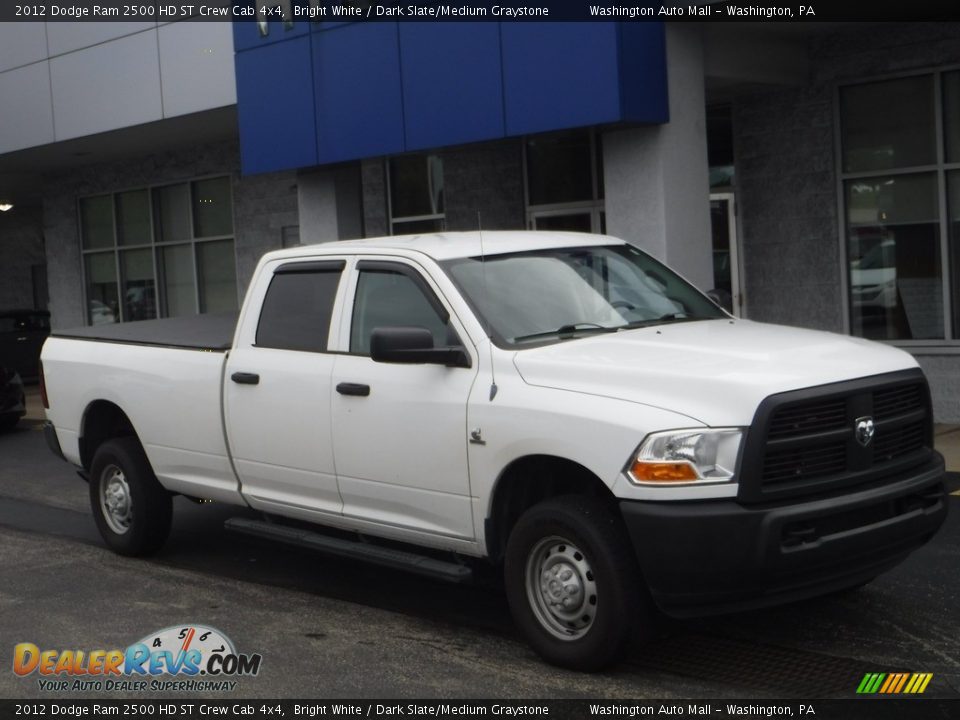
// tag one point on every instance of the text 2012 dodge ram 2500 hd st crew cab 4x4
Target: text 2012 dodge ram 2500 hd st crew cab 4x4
(558, 402)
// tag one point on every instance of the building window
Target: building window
(564, 182)
(415, 191)
(159, 252)
(900, 182)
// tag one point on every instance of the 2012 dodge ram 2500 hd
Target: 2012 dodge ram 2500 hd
(561, 403)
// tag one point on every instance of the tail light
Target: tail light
(43, 390)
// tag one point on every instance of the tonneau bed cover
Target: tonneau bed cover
(194, 332)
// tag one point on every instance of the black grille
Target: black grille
(892, 444)
(808, 416)
(805, 463)
(806, 442)
(889, 402)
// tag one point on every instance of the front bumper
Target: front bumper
(706, 557)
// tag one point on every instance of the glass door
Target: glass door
(726, 252)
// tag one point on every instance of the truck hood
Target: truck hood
(715, 371)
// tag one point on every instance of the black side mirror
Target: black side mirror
(398, 344)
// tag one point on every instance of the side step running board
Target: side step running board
(354, 550)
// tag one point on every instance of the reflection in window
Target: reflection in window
(139, 296)
(217, 276)
(902, 239)
(96, 222)
(296, 311)
(102, 305)
(212, 208)
(893, 231)
(133, 218)
(416, 194)
(564, 178)
(951, 115)
(953, 225)
(888, 124)
(392, 299)
(175, 266)
(159, 252)
(172, 212)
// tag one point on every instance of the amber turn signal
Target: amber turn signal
(663, 472)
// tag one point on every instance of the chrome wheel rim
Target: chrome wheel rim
(561, 588)
(115, 501)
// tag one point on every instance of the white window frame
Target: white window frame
(394, 222)
(153, 245)
(950, 344)
(595, 207)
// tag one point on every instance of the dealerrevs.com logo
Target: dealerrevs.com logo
(192, 657)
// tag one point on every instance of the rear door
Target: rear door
(277, 389)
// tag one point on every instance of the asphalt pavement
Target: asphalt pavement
(334, 629)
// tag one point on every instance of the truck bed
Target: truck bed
(194, 332)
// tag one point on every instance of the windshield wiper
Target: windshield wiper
(569, 331)
(662, 320)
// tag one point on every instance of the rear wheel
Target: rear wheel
(573, 584)
(130, 507)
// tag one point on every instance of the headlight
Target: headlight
(686, 456)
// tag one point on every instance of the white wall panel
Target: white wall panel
(108, 86)
(66, 37)
(196, 66)
(22, 43)
(29, 120)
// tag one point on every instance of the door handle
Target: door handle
(357, 389)
(244, 378)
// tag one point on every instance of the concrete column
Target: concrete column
(657, 180)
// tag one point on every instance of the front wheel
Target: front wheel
(130, 507)
(573, 584)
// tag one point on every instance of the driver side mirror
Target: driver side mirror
(413, 344)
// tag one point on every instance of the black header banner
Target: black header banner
(189, 707)
(479, 10)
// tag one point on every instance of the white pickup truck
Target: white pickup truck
(558, 403)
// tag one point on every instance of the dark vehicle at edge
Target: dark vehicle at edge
(12, 400)
(22, 333)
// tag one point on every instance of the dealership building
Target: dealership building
(810, 172)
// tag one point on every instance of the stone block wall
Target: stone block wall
(21, 247)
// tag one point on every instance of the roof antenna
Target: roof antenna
(486, 292)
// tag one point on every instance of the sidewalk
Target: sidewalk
(947, 437)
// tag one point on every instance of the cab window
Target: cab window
(391, 298)
(297, 308)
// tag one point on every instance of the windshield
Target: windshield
(555, 294)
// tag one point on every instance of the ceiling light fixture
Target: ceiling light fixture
(6, 206)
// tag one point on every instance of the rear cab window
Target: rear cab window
(297, 308)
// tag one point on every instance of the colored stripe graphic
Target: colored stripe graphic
(894, 683)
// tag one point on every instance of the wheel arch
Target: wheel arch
(102, 420)
(531, 479)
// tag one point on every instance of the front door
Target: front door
(400, 430)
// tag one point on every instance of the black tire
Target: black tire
(575, 550)
(131, 508)
(8, 423)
